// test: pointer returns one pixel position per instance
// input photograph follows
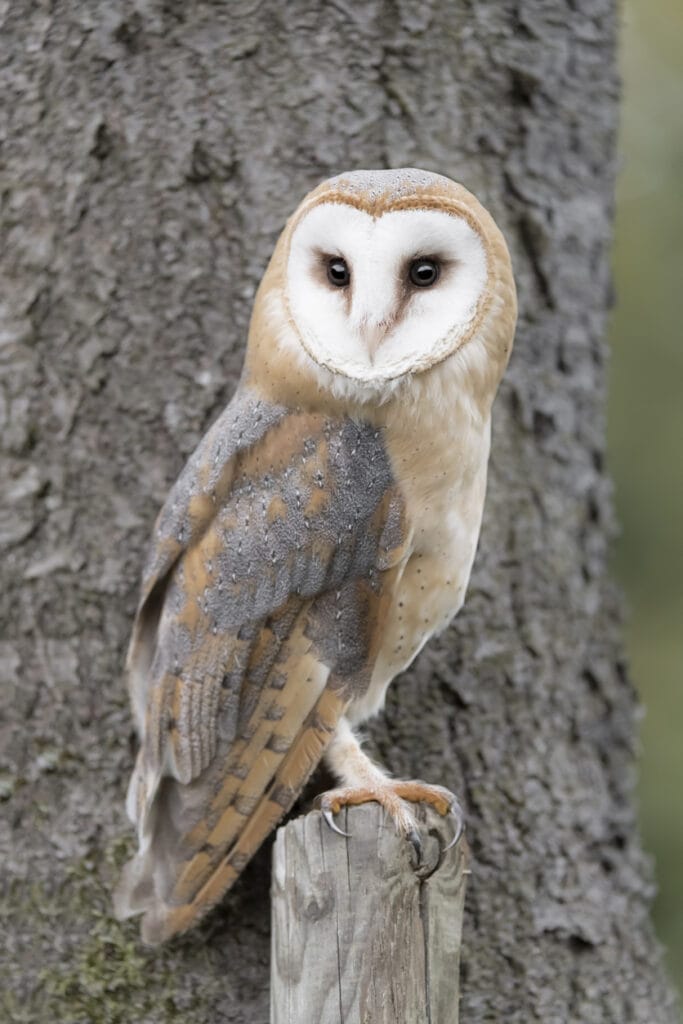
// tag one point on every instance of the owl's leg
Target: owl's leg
(363, 781)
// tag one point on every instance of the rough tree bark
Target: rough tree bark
(151, 150)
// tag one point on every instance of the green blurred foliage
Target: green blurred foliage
(646, 424)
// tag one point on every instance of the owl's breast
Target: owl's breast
(431, 587)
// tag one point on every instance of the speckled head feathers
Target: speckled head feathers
(380, 190)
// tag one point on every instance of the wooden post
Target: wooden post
(359, 935)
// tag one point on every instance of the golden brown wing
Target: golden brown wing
(268, 624)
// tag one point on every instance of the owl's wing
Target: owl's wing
(263, 627)
(202, 487)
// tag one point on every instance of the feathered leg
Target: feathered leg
(364, 781)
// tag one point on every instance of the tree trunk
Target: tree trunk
(151, 152)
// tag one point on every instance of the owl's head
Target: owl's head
(383, 276)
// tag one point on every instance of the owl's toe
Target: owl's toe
(331, 803)
(395, 796)
(441, 799)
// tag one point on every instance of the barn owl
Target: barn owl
(322, 531)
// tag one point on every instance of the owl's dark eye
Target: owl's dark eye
(338, 272)
(424, 273)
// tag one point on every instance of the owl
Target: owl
(323, 530)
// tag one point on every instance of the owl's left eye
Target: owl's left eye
(338, 272)
(424, 272)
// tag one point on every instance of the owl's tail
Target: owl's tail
(138, 888)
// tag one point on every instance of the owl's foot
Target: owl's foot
(392, 795)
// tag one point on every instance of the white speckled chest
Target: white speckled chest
(444, 492)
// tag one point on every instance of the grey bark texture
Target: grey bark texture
(151, 151)
(361, 933)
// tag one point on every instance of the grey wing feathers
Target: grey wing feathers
(191, 504)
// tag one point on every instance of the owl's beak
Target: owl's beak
(375, 334)
(372, 317)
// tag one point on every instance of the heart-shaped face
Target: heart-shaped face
(385, 285)
(376, 297)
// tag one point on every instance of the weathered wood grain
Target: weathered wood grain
(360, 936)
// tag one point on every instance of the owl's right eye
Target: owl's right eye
(338, 272)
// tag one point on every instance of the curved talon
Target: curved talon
(327, 815)
(415, 841)
(456, 814)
